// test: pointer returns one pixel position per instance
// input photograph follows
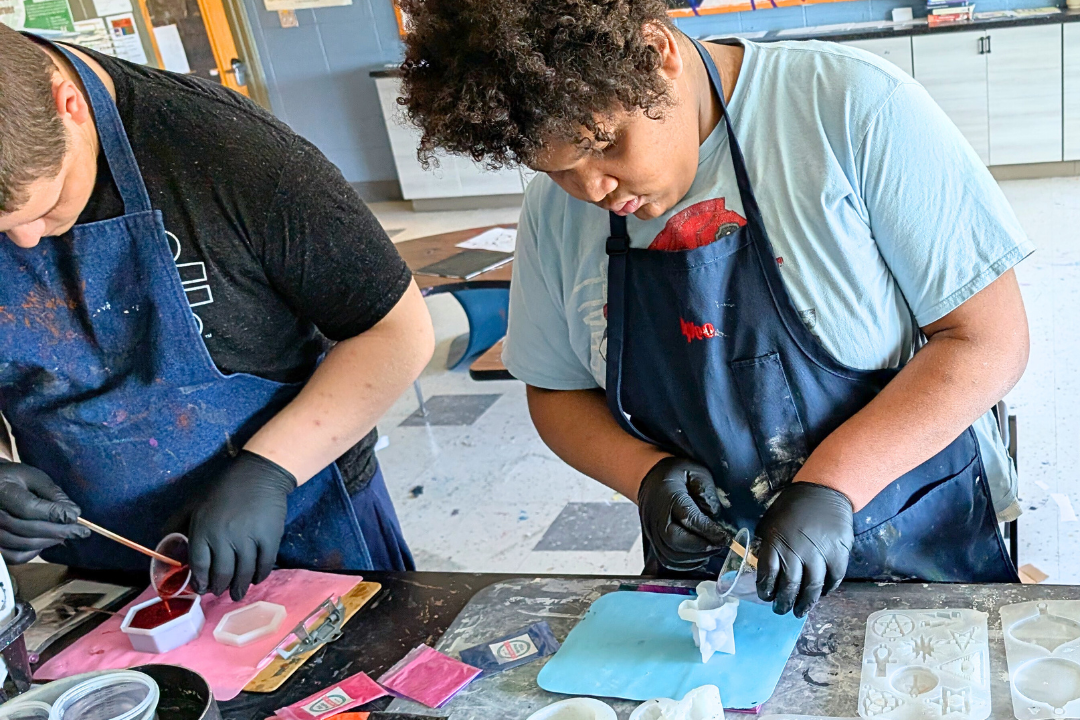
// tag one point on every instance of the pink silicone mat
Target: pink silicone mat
(228, 669)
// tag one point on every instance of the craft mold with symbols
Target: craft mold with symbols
(1042, 644)
(922, 664)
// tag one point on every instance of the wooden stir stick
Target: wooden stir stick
(129, 543)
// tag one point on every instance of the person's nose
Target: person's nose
(598, 185)
(28, 235)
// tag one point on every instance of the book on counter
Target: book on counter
(947, 12)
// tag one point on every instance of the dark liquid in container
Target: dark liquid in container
(160, 613)
(173, 582)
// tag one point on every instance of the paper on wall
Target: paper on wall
(49, 16)
(13, 14)
(171, 48)
(126, 39)
(496, 239)
(112, 7)
(277, 5)
(94, 35)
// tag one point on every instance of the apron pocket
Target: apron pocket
(773, 421)
(941, 535)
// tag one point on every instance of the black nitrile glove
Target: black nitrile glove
(236, 530)
(677, 502)
(806, 537)
(35, 514)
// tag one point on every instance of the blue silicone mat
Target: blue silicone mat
(634, 646)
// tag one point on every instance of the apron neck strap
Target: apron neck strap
(619, 241)
(114, 141)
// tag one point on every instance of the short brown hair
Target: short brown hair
(32, 137)
(494, 79)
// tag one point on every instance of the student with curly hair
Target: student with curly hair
(784, 265)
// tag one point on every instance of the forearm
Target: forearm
(578, 427)
(967, 365)
(355, 385)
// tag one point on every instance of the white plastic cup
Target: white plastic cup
(167, 636)
(121, 695)
(578, 708)
(173, 546)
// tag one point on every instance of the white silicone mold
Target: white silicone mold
(922, 664)
(1042, 643)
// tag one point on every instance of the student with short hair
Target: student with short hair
(200, 324)
(762, 286)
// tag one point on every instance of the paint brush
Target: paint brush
(128, 543)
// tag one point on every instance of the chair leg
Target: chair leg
(420, 397)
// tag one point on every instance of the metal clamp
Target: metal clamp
(325, 632)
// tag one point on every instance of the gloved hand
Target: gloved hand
(806, 537)
(678, 502)
(236, 529)
(35, 514)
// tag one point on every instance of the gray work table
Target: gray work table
(822, 675)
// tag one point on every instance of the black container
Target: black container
(184, 694)
(13, 651)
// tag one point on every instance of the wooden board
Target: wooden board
(489, 366)
(274, 675)
(424, 251)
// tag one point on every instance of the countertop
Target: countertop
(867, 31)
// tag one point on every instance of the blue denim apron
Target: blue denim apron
(110, 389)
(708, 358)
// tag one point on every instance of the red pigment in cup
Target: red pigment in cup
(173, 582)
(160, 613)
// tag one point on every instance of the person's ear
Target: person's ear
(663, 38)
(71, 104)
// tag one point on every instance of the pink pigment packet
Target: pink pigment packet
(428, 677)
(349, 693)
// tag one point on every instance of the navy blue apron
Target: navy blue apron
(708, 358)
(109, 388)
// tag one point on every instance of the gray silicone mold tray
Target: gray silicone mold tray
(1042, 642)
(922, 664)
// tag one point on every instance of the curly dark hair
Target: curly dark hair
(494, 79)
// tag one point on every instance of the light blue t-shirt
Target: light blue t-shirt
(882, 217)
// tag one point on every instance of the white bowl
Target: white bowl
(167, 636)
(576, 709)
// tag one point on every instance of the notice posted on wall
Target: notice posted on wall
(94, 35)
(49, 16)
(277, 5)
(126, 39)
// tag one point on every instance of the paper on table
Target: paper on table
(172, 49)
(227, 669)
(497, 239)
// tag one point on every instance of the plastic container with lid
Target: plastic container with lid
(121, 695)
(168, 635)
(25, 710)
(249, 623)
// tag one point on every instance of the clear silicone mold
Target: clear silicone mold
(923, 664)
(1042, 643)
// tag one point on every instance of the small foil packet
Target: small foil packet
(512, 650)
(428, 677)
(351, 692)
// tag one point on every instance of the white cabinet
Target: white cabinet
(952, 68)
(1071, 46)
(1024, 80)
(896, 50)
(455, 176)
(1001, 88)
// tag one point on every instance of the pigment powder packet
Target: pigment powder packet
(517, 648)
(428, 677)
(349, 693)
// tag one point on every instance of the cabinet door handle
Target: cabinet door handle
(988, 50)
(982, 46)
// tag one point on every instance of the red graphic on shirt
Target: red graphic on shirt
(697, 226)
(693, 331)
